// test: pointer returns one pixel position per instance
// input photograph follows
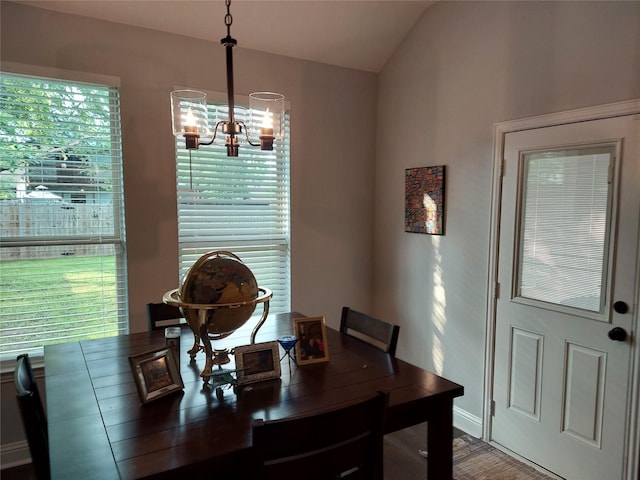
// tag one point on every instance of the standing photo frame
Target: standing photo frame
(312, 340)
(257, 362)
(156, 374)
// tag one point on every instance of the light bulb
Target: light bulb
(190, 124)
(266, 129)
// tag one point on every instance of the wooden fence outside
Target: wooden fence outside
(54, 221)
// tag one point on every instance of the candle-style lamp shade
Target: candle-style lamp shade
(189, 116)
(267, 117)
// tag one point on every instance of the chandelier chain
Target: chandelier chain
(228, 19)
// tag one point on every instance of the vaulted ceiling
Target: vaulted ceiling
(359, 34)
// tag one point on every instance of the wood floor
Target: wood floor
(401, 460)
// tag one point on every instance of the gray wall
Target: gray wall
(464, 67)
(333, 115)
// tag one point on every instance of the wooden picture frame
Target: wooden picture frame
(257, 362)
(312, 340)
(156, 374)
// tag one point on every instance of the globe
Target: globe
(217, 296)
(219, 278)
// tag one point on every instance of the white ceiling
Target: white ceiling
(360, 34)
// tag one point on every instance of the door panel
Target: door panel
(567, 251)
(525, 379)
(583, 405)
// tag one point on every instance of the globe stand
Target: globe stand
(201, 330)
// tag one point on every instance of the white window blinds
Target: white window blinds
(62, 250)
(237, 204)
(565, 226)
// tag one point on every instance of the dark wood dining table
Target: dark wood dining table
(98, 428)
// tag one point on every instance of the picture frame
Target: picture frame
(156, 374)
(257, 362)
(312, 340)
(424, 210)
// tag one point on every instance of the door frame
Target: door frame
(500, 130)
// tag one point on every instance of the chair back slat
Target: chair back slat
(345, 442)
(161, 315)
(379, 333)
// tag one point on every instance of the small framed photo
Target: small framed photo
(156, 374)
(312, 340)
(257, 362)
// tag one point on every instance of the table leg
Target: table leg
(440, 442)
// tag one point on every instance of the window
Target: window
(62, 249)
(237, 204)
(567, 207)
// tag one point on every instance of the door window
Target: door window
(564, 226)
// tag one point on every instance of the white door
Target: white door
(567, 271)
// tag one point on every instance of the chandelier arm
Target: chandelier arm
(215, 132)
(246, 132)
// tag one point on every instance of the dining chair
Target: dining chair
(161, 315)
(33, 416)
(374, 331)
(344, 443)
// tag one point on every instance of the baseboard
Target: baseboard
(14, 454)
(467, 422)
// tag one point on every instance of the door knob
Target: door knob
(620, 307)
(618, 334)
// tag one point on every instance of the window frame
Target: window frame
(108, 237)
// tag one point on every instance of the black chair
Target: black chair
(376, 332)
(33, 416)
(343, 443)
(161, 315)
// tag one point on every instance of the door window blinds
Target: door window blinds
(565, 227)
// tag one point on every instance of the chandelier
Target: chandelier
(190, 119)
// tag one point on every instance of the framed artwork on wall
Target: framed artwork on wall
(424, 200)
